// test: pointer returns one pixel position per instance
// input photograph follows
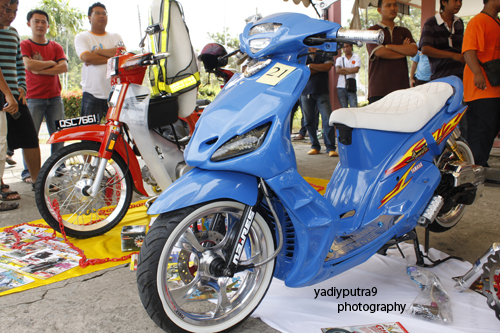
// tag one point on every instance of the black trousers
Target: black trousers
(483, 119)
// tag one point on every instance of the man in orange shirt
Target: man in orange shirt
(482, 44)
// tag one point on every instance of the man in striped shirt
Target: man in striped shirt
(5, 96)
(21, 132)
(441, 41)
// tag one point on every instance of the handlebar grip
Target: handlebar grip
(364, 36)
(161, 55)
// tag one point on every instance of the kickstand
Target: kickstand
(421, 256)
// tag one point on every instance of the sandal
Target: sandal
(5, 187)
(5, 206)
(10, 161)
(5, 194)
(28, 180)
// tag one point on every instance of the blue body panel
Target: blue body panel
(235, 112)
(198, 186)
(379, 189)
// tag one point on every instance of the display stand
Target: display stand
(421, 256)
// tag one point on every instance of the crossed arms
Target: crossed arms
(393, 51)
(45, 67)
(317, 68)
(97, 56)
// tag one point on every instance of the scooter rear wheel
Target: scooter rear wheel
(447, 220)
(175, 283)
(66, 176)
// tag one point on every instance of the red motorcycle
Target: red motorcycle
(137, 149)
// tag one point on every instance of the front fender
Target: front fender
(96, 133)
(200, 185)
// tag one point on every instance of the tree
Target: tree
(233, 43)
(64, 23)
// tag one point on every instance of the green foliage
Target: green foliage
(72, 103)
(63, 19)
(233, 43)
(207, 92)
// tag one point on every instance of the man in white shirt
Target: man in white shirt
(94, 48)
(347, 66)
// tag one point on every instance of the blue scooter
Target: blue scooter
(244, 215)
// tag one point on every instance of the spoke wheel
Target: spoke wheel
(175, 282)
(449, 219)
(67, 175)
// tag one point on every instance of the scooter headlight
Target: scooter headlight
(242, 144)
(258, 44)
(264, 28)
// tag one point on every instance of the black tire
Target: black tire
(62, 177)
(446, 221)
(161, 271)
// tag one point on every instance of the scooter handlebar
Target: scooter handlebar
(161, 55)
(361, 36)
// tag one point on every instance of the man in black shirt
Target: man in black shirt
(316, 94)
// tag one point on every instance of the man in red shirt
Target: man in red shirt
(44, 61)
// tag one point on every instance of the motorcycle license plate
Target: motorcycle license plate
(78, 121)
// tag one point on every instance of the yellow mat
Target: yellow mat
(109, 244)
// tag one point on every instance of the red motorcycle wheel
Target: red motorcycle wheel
(67, 175)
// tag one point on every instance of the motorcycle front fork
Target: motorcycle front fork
(113, 129)
(94, 190)
(235, 245)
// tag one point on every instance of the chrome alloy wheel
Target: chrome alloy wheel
(192, 297)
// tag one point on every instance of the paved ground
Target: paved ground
(107, 301)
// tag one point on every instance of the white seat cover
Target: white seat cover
(406, 110)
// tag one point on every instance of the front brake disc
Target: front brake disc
(491, 282)
(188, 269)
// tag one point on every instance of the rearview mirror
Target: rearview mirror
(151, 30)
(154, 29)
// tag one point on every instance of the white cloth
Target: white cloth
(355, 61)
(295, 309)
(94, 79)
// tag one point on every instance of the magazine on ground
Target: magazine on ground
(40, 260)
(10, 278)
(395, 327)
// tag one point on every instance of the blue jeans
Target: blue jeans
(92, 105)
(51, 109)
(345, 96)
(322, 102)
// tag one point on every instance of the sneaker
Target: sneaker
(313, 152)
(333, 153)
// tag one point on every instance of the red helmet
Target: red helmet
(210, 56)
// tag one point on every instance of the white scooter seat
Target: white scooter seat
(406, 110)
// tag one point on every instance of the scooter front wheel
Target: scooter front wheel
(175, 282)
(67, 176)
